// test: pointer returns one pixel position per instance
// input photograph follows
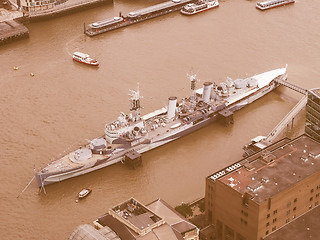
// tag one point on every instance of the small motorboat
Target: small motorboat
(84, 58)
(84, 192)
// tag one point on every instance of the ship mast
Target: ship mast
(135, 104)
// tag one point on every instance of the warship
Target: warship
(132, 134)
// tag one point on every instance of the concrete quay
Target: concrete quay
(65, 8)
(12, 19)
(12, 30)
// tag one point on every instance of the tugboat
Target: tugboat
(132, 134)
(200, 6)
(84, 58)
(272, 3)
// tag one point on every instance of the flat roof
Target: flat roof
(171, 226)
(305, 227)
(136, 216)
(273, 171)
(316, 91)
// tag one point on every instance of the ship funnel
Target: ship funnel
(172, 107)
(207, 86)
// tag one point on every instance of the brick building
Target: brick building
(264, 192)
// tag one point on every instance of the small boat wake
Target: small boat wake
(74, 44)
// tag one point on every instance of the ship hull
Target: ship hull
(87, 63)
(44, 179)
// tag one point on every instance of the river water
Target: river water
(65, 103)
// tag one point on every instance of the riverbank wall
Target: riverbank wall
(13, 28)
(62, 9)
(11, 31)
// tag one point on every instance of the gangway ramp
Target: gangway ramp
(292, 86)
(286, 120)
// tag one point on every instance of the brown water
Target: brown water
(66, 102)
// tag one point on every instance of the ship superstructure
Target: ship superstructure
(134, 134)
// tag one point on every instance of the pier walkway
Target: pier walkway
(287, 119)
(262, 142)
(292, 86)
(294, 111)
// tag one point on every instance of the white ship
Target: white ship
(200, 6)
(132, 134)
(272, 4)
(84, 58)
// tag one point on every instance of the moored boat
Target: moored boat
(130, 135)
(200, 6)
(272, 3)
(84, 58)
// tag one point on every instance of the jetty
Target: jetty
(12, 30)
(63, 9)
(287, 119)
(260, 142)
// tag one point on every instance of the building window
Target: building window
(268, 215)
(287, 220)
(294, 216)
(317, 195)
(274, 228)
(267, 232)
(244, 221)
(311, 191)
(311, 199)
(295, 200)
(267, 224)
(244, 213)
(288, 212)
(295, 208)
(274, 220)
(316, 203)
(310, 206)
(275, 211)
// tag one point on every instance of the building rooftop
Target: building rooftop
(136, 216)
(87, 232)
(316, 91)
(305, 227)
(135, 223)
(274, 170)
(183, 227)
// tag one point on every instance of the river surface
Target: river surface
(65, 103)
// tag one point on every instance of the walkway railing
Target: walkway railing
(286, 120)
(292, 86)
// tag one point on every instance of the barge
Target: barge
(110, 24)
(272, 4)
(130, 135)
